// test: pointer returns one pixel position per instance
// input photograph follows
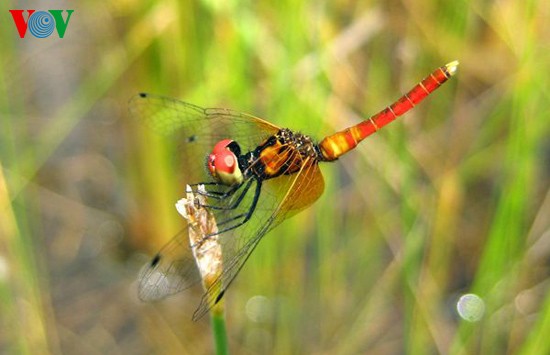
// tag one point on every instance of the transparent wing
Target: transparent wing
(172, 270)
(195, 130)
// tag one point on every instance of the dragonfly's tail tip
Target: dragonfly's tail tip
(452, 67)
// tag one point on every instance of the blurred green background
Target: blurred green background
(451, 199)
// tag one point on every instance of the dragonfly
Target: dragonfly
(255, 175)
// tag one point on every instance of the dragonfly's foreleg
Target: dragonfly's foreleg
(218, 195)
(236, 202)
(245, 216)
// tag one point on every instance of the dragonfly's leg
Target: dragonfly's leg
(218, 195)
(246, 215)
(254, 201)
(237, 202)
(206, 183)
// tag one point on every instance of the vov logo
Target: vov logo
(41, 23)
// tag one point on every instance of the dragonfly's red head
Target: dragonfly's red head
(223, 162)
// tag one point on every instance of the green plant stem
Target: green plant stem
(218, 330)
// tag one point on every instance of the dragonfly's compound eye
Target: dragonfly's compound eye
(222, 146)
(223, 163)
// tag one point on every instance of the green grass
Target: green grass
(451, 199)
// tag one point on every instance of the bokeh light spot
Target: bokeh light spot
(470, 307)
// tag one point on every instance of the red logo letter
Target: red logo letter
(20, 21)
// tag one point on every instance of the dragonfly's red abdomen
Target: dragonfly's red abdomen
(342, 142)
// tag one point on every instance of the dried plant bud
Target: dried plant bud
(203, 237)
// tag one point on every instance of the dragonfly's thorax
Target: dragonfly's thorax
(282, 153)
(302, 143)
